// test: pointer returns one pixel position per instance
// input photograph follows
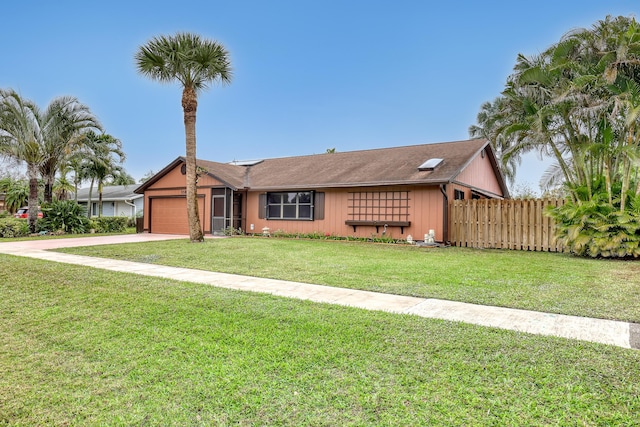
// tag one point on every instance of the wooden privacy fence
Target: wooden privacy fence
(503, 224)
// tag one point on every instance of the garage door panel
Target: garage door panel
(169, 215)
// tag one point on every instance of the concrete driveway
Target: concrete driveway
(46, 244)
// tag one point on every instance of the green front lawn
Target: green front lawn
(129, 230)
(538, 281)
(81, 346)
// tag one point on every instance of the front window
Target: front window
(290, 205)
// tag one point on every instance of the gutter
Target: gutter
(487, 194)
(134, 207)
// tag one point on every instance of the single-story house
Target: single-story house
(397, 191)
(117, 200)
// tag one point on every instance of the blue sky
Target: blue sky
(308, 75)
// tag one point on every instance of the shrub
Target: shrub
(230, 231)
(598, 228)
(63, 215)
(110, 224)
(316, 235)
(13, 227)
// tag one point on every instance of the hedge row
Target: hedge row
(13, 227)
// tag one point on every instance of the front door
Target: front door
(237, 210)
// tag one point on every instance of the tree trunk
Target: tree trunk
(189, 106)
(89, 201)
(75, 185)
(48, 189)
(32, 173)
(99, 198)
(607, 180)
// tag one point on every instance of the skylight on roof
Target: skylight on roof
(245, 162)
(430, 164)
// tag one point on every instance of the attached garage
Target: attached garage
(169, 215)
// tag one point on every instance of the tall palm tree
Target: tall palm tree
(41, 138)
(78, 164)
(68, 119)
(103, 171)
(195, 63)
(22, 135)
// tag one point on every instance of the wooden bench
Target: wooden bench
(378, 224)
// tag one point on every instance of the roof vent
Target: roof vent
(430, 164)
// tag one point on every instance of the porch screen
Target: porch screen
(378, 206)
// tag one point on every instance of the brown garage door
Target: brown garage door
(169, 215)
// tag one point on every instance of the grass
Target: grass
(80, 346)
(129, 230)
(548, 282)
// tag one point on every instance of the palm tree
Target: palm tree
(122, 178)
(103, 157)
(195, 63)
(68, 120)
(540, 113)
(78, 164)
(579, 102)
(63, 186)
(40, 138)
(102, 171)
(22, 135)
(16, 193)
(491, 125)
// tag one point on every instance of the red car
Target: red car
(24, 213)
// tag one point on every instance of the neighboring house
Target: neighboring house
(2, 203)
(392, 191)
(117, 200)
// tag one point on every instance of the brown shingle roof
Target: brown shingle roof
(232, 175)
(384, 166)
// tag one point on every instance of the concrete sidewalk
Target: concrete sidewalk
(617, 333)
